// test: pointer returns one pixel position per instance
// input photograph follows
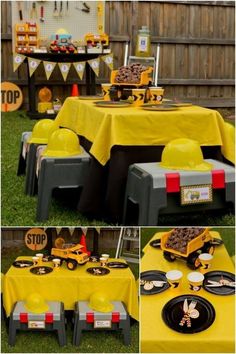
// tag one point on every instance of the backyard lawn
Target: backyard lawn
(19, 209)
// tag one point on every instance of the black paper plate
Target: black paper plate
(94, 259)
(156, 243)
(41, 270)
(98, 271)
(153, 275)
(22, 264)
(48, 258)
(112, 104)
(216, 276)
(117, 265)
(93, 98)
(172, 313)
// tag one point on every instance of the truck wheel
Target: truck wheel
(71, 264)
(208, 248)
(169, 256)
(193, 261)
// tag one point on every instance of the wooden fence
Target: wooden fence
(196, 47)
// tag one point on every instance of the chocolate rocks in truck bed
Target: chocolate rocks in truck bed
(180, 237)
(130, 74)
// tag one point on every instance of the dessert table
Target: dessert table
(157, 337)
(119, 137)
(70, 286)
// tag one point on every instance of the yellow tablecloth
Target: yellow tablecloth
(70, 286)
(106, 127)
(157, 337)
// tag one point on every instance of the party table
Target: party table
(119, 137)
(157, 337)
(70, 286)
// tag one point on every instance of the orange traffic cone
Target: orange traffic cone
(83, 243)
(75, 90)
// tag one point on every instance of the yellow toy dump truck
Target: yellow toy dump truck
(187, 244)
(72, 256)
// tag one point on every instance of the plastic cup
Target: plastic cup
(106, 91)
(205, 260)
(105, 255)
(138, 96)
(174, 277)
(195, 281)
(156, 95)
(103, 261)
(40, 258)
(56, 263)
(35, 260)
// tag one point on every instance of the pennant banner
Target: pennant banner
(94, 63)
(71, 230)
(49, 67)
(33, 64)
(98, 229)
(84, 230)
(79, 67)
(58, 230)
(108, 59)
(65, 68)
(17, 61)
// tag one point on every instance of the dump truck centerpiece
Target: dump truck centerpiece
(72, 255)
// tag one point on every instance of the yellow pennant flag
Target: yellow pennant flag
(71, 230)
(58, 230)
(108, 59)
(79, 67)
(94, 63)
(33, 64)
(84, 230)
(48, 67)
(65, 68)
(98, 229)
(17, 60)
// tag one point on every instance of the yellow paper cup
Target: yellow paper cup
(40, 258)
(156, 95)
(106, 91)
(205, 260)
(195, 281)
(174, 278)
(138, 96)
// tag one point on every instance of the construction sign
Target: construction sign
(36, 239)
(11, 97)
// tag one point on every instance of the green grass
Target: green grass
(96, 342)
(227, 235)
(19, 209)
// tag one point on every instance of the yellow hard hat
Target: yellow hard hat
(62, 143)
(2, 280)
(42, 130)
(99, 302)
(184, 154)
(35, 303)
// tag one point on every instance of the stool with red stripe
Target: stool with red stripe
(100, 314)
(186, 187)
(37, 314)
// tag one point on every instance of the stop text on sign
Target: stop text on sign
(36, 239)
(11, 97)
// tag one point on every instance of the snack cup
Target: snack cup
(205, 259)
(104, 255)
(195, 281)
(156, 95)
(106, 91)
(35, 259)
(138, 96)
(103, 261)
(174, 278)
(40, 258)
(56, 263)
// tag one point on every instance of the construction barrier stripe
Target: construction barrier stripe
(218, 179)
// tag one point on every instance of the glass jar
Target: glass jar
(143, 44)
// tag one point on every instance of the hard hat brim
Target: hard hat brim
(204, 167)
(41, 309)
(37, 141)
(53, 153)
(107, 308)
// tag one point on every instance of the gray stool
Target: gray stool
(23, 320)
(23, 153)
(85, 319)
(69, 172)
(157, 190)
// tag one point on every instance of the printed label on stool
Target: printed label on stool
(196, 194)
(102, 324)
(36, 324)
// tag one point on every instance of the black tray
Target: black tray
(216, 276)
(98, 271)
(22, 264)
(172, 313)
(156, 243)
(117, 265)
(153, 275)
(41, 270)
